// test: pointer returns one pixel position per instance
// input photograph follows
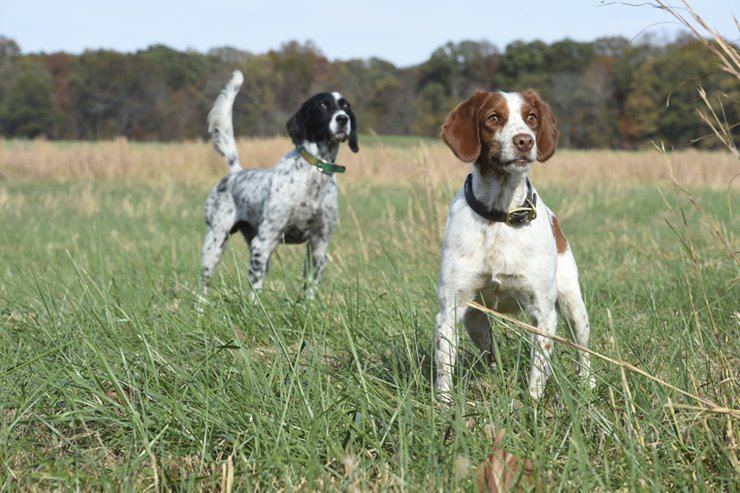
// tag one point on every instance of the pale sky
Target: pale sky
(404, 32)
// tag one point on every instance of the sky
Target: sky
(404, 32)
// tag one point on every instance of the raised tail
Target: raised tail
(220, 124)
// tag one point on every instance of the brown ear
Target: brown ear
(460, 129)
(547, 133)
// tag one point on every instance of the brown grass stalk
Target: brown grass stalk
(727, 54)
(708, 405)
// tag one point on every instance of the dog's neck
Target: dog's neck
(326, 151)
(501, 191)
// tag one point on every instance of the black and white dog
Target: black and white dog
(295, 201)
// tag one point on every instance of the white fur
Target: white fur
(515, 125)
(507, 268)
(334, 126)
(219, 122)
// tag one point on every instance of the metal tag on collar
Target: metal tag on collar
(521, 215)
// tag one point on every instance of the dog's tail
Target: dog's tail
(220, 124)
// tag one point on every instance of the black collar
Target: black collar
(525, 213)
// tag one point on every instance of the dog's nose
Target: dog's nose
(342, 120)
(523, 142)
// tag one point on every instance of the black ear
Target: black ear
(297, 127)
(353, 134)
(353, 141)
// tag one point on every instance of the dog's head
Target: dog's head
(503, 131)
(325, 117)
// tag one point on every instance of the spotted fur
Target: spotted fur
(292, 202)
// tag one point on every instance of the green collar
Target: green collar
(324, 166)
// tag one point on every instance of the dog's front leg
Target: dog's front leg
(452, 307)
(545, 319)
(260, 251)
(313, 267)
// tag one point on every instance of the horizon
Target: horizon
(260, 28)
(663, 39)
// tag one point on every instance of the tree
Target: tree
(296, 63)
(9, 53)
(523, 65)
(111, 94)
(606, 93)
(28, 109)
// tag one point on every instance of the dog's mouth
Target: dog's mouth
(519, 162)
(522, 161)
(341, 135)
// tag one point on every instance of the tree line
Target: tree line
(607, 93)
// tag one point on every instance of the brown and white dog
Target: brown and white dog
(503, 246)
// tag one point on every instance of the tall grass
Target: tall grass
(109, 378)
(381, 160)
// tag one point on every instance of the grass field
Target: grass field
(109, 379)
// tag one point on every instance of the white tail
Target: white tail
(220, 125)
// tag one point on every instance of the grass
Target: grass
(110, 380)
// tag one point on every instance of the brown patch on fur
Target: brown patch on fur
(488, 161)
(547, 346)
(468, 129)
(560, 241)
(546, 128)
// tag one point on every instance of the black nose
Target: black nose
(523, 142)
(342, 120)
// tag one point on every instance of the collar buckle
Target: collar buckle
(520, 215)
(524, 214)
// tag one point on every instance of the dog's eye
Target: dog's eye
(532, 119)
(344, 104)
(323, 106)
(494, 118)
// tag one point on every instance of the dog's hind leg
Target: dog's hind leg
(213, 248)
(479, 329)
(220, 215)
(572, 308)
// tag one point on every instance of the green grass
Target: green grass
(109, 379)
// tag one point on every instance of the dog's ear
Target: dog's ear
(353, 141)
(353, 134)
(297, 127)
(547, 132)
(460, 129)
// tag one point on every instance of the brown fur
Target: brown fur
(560, 241)
(547, 131)
(469, 130)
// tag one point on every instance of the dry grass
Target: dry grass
(411, 161)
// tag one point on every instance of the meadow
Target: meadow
(111, 380)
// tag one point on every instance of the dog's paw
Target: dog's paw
(590, 381)
(443, 398)
(200, 304)
(537, 387)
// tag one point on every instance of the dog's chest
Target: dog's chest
(504, 254)
(311, 204)
(508, 262)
